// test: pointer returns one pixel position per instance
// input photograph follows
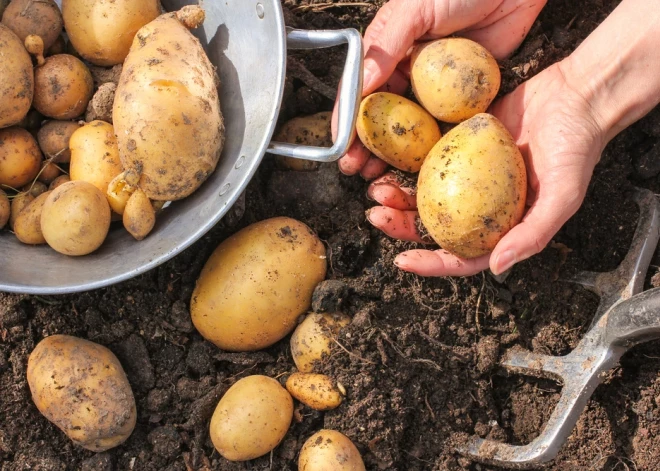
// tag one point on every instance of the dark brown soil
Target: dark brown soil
(423, 366)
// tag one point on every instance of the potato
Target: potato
(76, 218)
(251, 419)
(35, 188)
(27, 225)
(18, 203)
(313, 130)
(16, 77)
(54, 137)
(20, 157)
(139, 215)
(167, 112)
(329, 450)
(256, 284)
(5, 209)
(41, 18)
(49, 172)
(396, 130)
(3, 5)
(102, 32)
(94, 155)
(454, 78)
(61, 180)
(472, 187)
(312, 339)
(120, 190)
(81, 387)
(314, 390)
(58, 47)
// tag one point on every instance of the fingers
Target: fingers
(373, 168)
(355, 159)
(387, 191)
(395, 223)
(439, 263)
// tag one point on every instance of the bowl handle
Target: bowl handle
(350, 92)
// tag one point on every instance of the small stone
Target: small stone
(165, 441)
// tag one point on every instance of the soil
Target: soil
(422, 373)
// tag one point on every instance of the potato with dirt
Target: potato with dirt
(454, 78)
(27, 225)
(312, 340)
(472, 187)
(39, 17)
(396, 130)
(139, 215)
(19, 202)
(5, 209)
(317, 391)
(166, 111)
(81, 387)
(54, 137)
(20, 157)
(312, 130)
(16, 77)
(329, 450)
(102, 32)
(251, 418)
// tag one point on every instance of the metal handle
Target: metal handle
(636, 320)
(350, 93)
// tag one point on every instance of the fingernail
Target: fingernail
(504, 261)
(367, 214)
(370, 193)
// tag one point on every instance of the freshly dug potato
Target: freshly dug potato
(18, 203)
(54, 137)
(81, 387)
(312, 339)
(75, 218)
(329, 450)
(313, 130)
(41, 18)
(102, 32)
(61, 180)
(5, 209)
(139, 215)
(58, 47)
(167, 112)
(251, 419)
(472, 187)
(454, 78)
(20, 157)
(49, 172)
(27, 225)
(120, 190)
(396, 130)
(16, 77)
(256, 284)
(35, 188)
(94, 155)
(314, 390)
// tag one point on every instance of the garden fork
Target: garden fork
(626, 316)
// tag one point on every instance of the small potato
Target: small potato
(27, 226)
(251, 419)
(61, 180)
(329, 450)
(63, 87)
(16, 79)
(5, 209)
(313, 130)
(49, 172)
(58, 47)
(256, 284)
(397, 130)
(81, 387)
(18, 203)
(35, 188)
(312, 339)
(314, 390)
(94, 155)
(139, 215)
(32, 121)
(472, 187)
(75, 218)
(454, 78)
(54, 138)
(20, 157)
(41, 18)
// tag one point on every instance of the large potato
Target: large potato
(313, 130)
(251, 419)
(16, 79)
(472, 187)
(54, 138)
(256, 284)
(81, 387)
(39, 17)
(167, 112)
(20, 157)
(5, 209)
(102, 32)
(312, 339)
(454, 78)
(397, 130)
(329, 450)
(316, 391)
(27, 225)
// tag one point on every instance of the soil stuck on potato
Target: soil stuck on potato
(422, 369)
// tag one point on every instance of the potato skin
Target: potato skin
(316, 391)
(102, 32)
(166, 112)
(61, 180)
(81, 387)
(139, 215)
(396, 130)
(16, 77)
(256, 284)
(18, 204)
(63, 87)
(42, 18)
(27, 225)
(472, 187)
(5, 209)
(311, 340)
(20, 157)
(454, 78)
(312, 130)
(251, 419)
(329, 450)
(54, 137)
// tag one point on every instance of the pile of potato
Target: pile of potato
(96, 125)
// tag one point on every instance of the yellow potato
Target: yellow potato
(329, 450)
(16, 77)
(75, 218)
(313, 130)
(102, 32)
(20, 157)
(42, 18)
(256, 284)
(166, 111)
(454, 78)
(312, 339)
(472, 187)
(139, 215)
(27, 225)
(397, 130)
(18, 203)
(314, 390)
(54, 138)
(251, 419)
(5, 209)
(81, 387)
(62, 179)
